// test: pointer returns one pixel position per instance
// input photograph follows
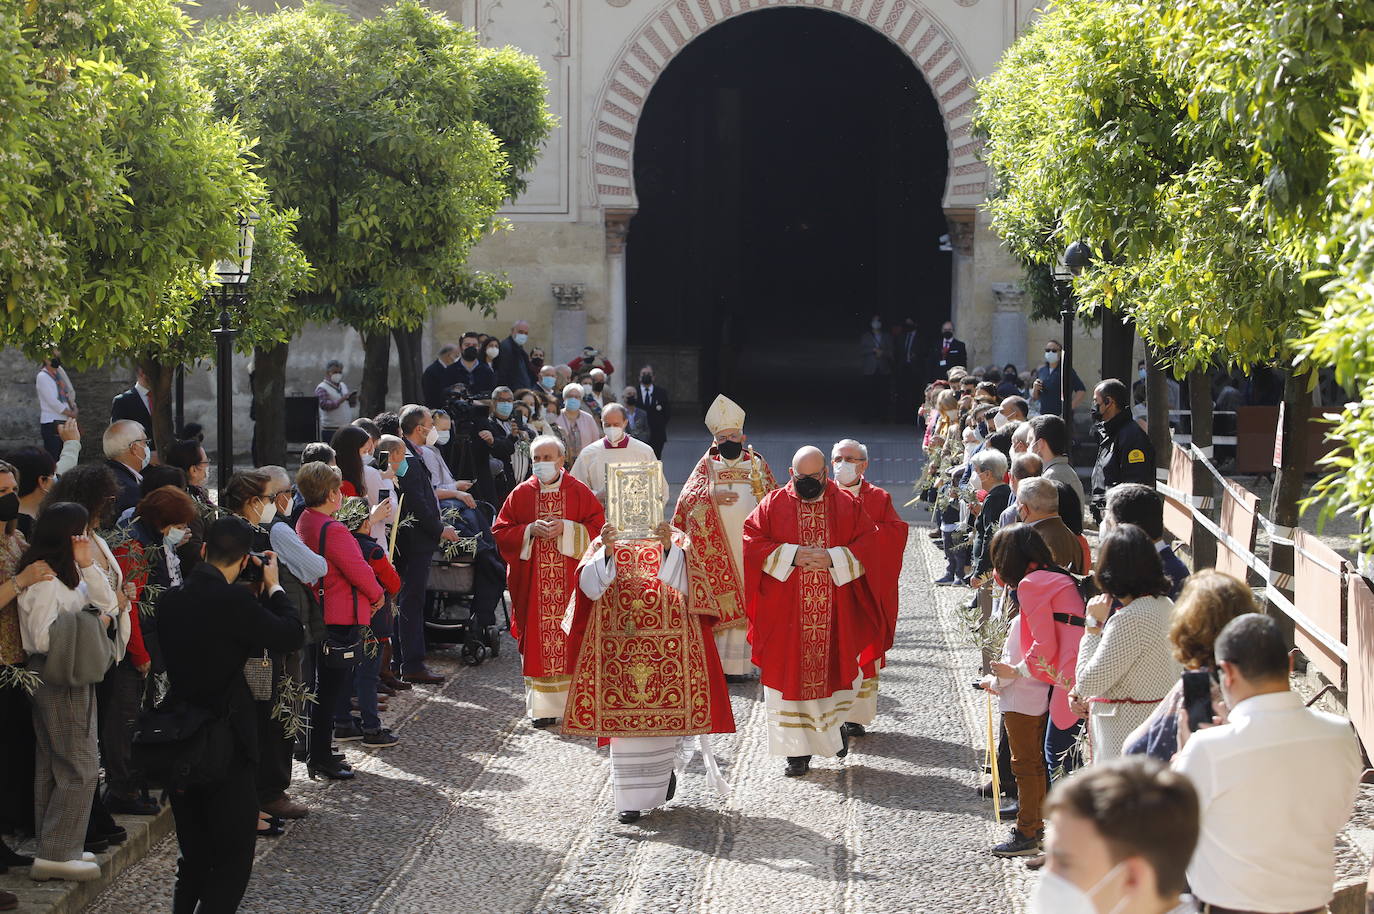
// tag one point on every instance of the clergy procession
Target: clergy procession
(632, 636)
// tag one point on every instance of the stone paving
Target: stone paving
(476, 811)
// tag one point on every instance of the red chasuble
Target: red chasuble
(643, 665)
(541, 585)
(717, 585)
(884, 574)
(806, 633)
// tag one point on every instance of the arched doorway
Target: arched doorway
(790, 165)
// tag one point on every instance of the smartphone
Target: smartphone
(1197, 698)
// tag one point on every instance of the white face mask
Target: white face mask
(614, 433)
(876, 325)
(1057, 895)
(336, 378)
(443, 437)
(175, 536)
(493, 351)
(147, 456)
(846, 473)
(1051, 357)
(432, 437)
(1000, 421)
(269, 511)
(546, 470)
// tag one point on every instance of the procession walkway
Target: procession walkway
(476, 811)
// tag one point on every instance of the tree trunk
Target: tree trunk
(1200, 403)
(269, 405)
(1288, 481)
(160, 377)
(1157, 405)
(408, 343)
(1118, 346)
(376, 366)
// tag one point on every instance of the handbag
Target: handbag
(342, 650)
(182, 746)
(257, 672)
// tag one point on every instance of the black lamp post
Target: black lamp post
(231, 294)
(1076, 257)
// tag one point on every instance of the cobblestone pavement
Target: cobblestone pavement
(476, 811)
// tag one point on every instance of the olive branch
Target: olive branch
(18, 677)
(292, 699)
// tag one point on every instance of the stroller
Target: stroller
(448, 605)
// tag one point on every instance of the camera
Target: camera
(252, 572)
(466, 414)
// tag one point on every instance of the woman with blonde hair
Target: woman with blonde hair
(1209, 600)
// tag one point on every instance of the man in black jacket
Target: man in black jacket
(513, 364)
(416, 542)
(209, 627)
(435, 380)
(949, 353)
(134, 403)
(654, 401)
(127, 453)
(1124, 452)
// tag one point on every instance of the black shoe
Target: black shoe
(543, 723)
(672, 786)
(116, 835)
(737, 677)
(332, 772)
(844, 743)
(301, 753)
(275, 828)
(1018, 845)
(1009, 809)
(132, 806)
(379, 739)
(948, 580)
(630, 816)
(1008, 790)
(96, 845)
(11, 858)
(797, 765)
(347, 733)
(849, 728)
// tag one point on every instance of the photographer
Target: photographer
(484, 441)
(209, 628)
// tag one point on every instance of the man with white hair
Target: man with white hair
(1037, 504)
(434, 381)
(542, 531)
(592, 466)
(513, 363)
(727, 484)
(127, 452)
(594, 392)
(1023, 466)
(812, 611)
(849, 459)
(578, 427)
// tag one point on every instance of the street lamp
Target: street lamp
(231, 293)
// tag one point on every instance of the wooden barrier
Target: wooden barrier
(1360, 613)
(1178, 515)
(1319, 591)
(1239, 513)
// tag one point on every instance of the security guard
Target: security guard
(1124, 452)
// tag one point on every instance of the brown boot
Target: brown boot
(386, 676)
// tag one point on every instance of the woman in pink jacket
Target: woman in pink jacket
(1037, 669)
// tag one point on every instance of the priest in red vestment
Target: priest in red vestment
(729, 481)
(849, 460)
(645, 674)
(542, 531)
(812, 612)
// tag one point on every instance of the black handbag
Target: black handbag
(182, 746)
(342, 647)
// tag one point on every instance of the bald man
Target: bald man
(615, 446)
(811, 609)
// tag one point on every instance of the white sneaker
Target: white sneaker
(70, 870)
(88, 856)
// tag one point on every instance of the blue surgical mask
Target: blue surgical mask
(504, 409)
(546, 382)
(572, 404)
(521, 338)
(402, 467)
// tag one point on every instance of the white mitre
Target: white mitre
(724, 413)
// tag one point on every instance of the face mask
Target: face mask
(9, 507)
(730, 450)
(536, 364)
(1141, 373)
(1051, 357)
(546, 382)
(572, 405)
(1057, 895)
(470, 354)
(614, 433)
(646, 379)
(504, 409)
(598, 386)
(55, 362)
(336, 377)
(521, 338)
(402, 467)
(947, 334)
(1000, 421)
(493, 351)
(808, 487)
(147, 456)
(546, 470)
(1096, 414)
(876, 325)
(631, 400)
(432, 436)
(443, 437)
(268, 512)
(846, 473)
(175, 537)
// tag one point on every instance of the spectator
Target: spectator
(1209, 601)
(318, 452)
(512, 362)
(1012, 409)
(64, 717)
(636, 419)
(1046, 393)
(337, 404)
(1051, 444)
(136, 403)
(655, 402)
(563, 377)
(471, 370)
(1124, 664)
(1132, 503)
(595, 395)
(949, 352)
(1009, 385)
(1124, 451)
(450, 492)
(189, 455)
(591, 358)
(494, 444)
(1037, 504)
(990, 465)
(1265, 845)
(210, 628)
(127, 453)
(536, 361)
(1026, 466)
(37, 472)
(1022, 436)
(535, 418)
(1035, 673)
(875, 364)
(353, 450)
(1121, 835)
(56, 404)
(435, 379)
(1071, 513)
(351, 595)
(548, 378)
(388, 423)
(576, 426)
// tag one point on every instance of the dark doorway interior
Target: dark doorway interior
(789, 165)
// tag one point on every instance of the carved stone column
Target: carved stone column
(617, 231)
(1009, 324)
(961, 289)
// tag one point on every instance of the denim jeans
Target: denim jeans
(363, 682)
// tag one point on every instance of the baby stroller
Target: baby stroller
(448, 604)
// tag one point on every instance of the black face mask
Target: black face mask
(9, 507)
(730, 450)
(470, 354)
(1096, 414)
(646, 379)
(537, 364)
(631, 401)
(947, 334)
(597, 386)
(808, 487)
(55, 362)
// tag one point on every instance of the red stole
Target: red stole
(541, 585)
(717, 586)
(642, 664)
(886, 570)
(806, 633)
